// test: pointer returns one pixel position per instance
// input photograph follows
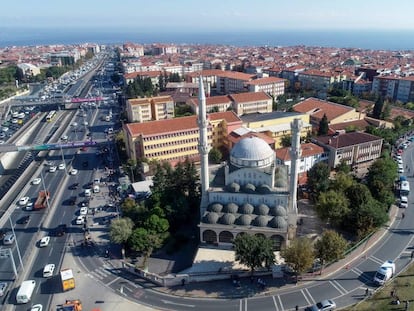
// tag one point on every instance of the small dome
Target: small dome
(233, 187)
(231, 208)
(278, 222)
(279, 211)
(252, 152)
(215, 207)
(264, 189)
(249, 188)
(244, 220)
(227, 219)
(246, 208)
(260, 221)
(210, 218)
(262, 209)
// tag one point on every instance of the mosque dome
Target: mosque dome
(215, 207)
(227, 219)
(262, 209)
(244, 220)
(278, 222)
(246, 208)
(211, 218)
(279, 211)
(252, 152)
(260, 221)
(231, 208)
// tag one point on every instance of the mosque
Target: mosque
(249, 194)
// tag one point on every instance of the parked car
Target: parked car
(324, 305)
(3, 288)
(9, 239)
(80, 220)
(24, 200)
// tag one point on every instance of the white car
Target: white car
(64, 138)
(44, 241)
(73, 171)
(80, 220)
(48, 270)
(62, 166)
(29, 206)
(23, 201)
(52, 169)
(83, 211)
(36, 181)
(37, 307)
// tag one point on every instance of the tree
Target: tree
(377, 111)
(342, 182)
(286, 140)
(299, 255)
(318, 178)
(215, 155)
(323, 126)
(331, 246)
(381, 176)
(254, 251)
(343, 167)
(144, 241)
(332, 206)
(120, 230)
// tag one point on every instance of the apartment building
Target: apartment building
(357, 149)
(174, 140)
(270, 85)
(248, 103)
(335, 113)
(291, 74)
(213, 104)
(316, 80)
(232, 82)
(147, 109)
(385, 86)
(153, 75)
(276, 124)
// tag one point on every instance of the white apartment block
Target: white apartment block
(270, 85)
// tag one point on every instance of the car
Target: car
(36, 307)
(3, 288)
(9, 239)
(48, 270)
(62, 166)
(23, 201)
(83, 211)
(74, 124)
(44, 241)
(80, 220)
(324, 305)
(52, 169)
(29, 206)
(73, 171)
(36, 181)
(64, 138)
(23, 220)
(74, 186)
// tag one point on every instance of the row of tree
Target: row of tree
(256, 251)
(140, 87)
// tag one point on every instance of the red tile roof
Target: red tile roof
(235, 75)
(346, 139)
(308, 149)
(249, 97)
(216, 100)
(267, 80)
(317, 108)
(229, 116)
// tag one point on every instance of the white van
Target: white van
(48, 270)
(25, 291)
(96, 189)
(385, 272)
(88, 192)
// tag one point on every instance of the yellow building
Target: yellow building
(276, 124)
(147, 109)
(174, 140)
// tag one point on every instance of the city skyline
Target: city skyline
(230, 15)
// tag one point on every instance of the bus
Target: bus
(51, 115)
(404, 188)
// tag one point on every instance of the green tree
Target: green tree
(318, 178)
(299, 255)
(377, 111)
(380, 178)
(156, 224)
(254, 251)
(286, 140)
(343, 167)
(120, 230)
(330, 247)
(144, 241)
(341, 182)
(332, 206)
(215, 155)
(323, 126)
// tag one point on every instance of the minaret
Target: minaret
(295, 153)
(203, 147)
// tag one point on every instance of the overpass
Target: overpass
(53, 146)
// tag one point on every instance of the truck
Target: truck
(67, 278)
(385, 272)
(42, 200)
(70, 305)
(24, 294)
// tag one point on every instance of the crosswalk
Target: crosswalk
(105, 273)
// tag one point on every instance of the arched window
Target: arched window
(226, 237)
(209, 236)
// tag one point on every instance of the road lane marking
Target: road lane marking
(275, 303)
(245, 304)
(241, 305)
(305, 292)
(338, 287)
(114, 280)
(377, 260)
(280, 302)
(167, 302)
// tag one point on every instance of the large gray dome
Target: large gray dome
(227, 219)
(260, 221)
(215, 207)
(279, 211)
(252, 152)
(244, 220)
(278, 222)
(230, 208)
(211, 218)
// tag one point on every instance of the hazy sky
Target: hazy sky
(210, 15)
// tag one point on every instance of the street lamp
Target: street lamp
(17, 243)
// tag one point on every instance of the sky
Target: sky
(210, 15)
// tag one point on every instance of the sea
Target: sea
(402, 40)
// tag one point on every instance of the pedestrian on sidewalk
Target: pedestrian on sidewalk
(402, 215)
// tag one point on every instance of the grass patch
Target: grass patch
(402, 285)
